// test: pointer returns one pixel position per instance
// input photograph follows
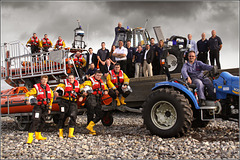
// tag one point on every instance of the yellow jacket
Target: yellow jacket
(30, 40)
(84, 62)
(41, 44)
(33, 92)
(61, 87)
(89, 83)
(112, 86)
(62, 45)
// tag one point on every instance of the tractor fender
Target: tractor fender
(179, 87)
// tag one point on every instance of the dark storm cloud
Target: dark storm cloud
(23, 5)
(171, 9)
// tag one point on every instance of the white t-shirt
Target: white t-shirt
(90, 58)
(145, 55)
(123, 50)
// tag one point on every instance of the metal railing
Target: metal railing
(17, 62)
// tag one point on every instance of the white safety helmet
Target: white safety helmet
(126, 89)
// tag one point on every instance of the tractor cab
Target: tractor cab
(137, 36)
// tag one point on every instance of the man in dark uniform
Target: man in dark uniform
(202, 46)
(131, 52)
(215, 45)
(155, 63)
(119, 28)
(102, 56)
(91, 58)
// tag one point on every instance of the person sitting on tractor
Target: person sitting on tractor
(118, 83)
(46, 43)
(93, 101)
(44, 96)
(35, 43)
(192, 72)
(80, 63)
(68, 107)
(60, 44)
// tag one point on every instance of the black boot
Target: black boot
(202, 102)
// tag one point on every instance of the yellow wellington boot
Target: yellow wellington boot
(90, 127)
(60, 133)
(70, 135)
(122, 100)
(30, 138)
(39, 136)
(93, 133)
(118, 101)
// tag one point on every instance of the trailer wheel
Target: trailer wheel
(22, 126)
(56, 118)
(167, 113)
(107, 119)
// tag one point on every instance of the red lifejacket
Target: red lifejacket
(41, 94)
(59, 43)
(69, 89)
(115, 78)
(34, 41)
(46, 42)
(78, 60)
(97, 86)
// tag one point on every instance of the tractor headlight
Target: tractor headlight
(170, 43)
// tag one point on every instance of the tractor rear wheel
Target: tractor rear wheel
(167, 113)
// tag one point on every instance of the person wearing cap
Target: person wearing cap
(44, 96)
(118, 83)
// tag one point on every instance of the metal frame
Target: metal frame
(35, 65)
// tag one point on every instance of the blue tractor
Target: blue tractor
(172, 108)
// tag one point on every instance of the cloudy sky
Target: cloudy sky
(21, 19)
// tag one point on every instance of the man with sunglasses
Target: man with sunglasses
(192, 72)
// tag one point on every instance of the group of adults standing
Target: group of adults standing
(213, 45)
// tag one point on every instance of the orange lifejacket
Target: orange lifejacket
(116, 80)
(34, 41)
(43, 96)
(59, 43)
(97, 86)
(71, 91)
(46, 42)
(78, 60)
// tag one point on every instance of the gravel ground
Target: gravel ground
(125, 139)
